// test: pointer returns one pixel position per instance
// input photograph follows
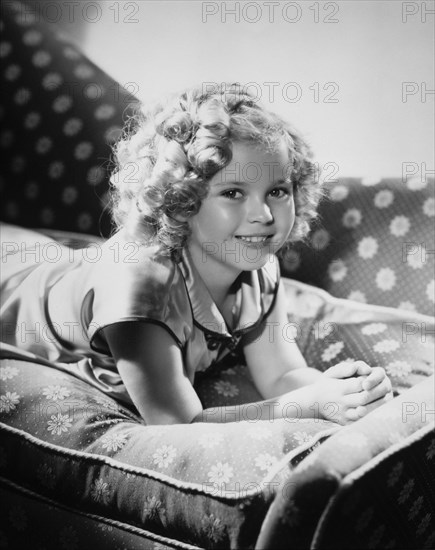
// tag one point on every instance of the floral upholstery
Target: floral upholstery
(79, 470)
(201, 484)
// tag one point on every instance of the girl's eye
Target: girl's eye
(232, 194)
(280, 192)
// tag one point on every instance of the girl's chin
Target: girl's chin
(256, 251)
(240, 256)
(251, 261)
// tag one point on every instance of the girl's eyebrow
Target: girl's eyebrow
(236, 182)
(245, 183)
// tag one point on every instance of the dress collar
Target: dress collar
(249, 300)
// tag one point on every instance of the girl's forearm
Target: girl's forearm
(293, 380)
(299, 403)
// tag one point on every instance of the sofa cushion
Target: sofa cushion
(204, 484)
(60, 114)
(329, 330)
(373, 242)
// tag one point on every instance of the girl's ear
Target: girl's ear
(180, 217)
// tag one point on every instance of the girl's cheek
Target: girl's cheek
(229, 208)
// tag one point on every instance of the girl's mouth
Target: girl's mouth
(257, 239)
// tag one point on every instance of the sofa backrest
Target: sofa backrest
(60, 115)
(373, 242)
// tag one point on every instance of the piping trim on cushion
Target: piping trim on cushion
(170, 481)
(101, 519)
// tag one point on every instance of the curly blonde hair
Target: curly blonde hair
(168, 153)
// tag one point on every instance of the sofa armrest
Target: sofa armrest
(305, 510)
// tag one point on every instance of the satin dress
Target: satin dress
(55, 301)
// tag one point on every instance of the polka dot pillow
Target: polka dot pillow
(330, 330)
(59, 116)
(373, 242)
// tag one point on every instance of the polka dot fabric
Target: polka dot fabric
(59, 116)
(372, 243)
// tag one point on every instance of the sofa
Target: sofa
(80, 470)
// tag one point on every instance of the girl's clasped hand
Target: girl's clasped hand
(349, 390)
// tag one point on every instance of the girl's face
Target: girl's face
(248, 213)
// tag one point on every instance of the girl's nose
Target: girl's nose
(260, 212)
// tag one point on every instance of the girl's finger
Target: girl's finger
(353, 385)
(340, 370)
(374, 378)
(354, 400)
(381, 390)
(361, 411)
(355, 413)
(363, 368)
(345, 369)
(389, 395)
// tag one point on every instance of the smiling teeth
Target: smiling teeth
(253, 239)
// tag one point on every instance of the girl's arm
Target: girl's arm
(329, 398)
(150, 364)
(273, 356)
(278, 367)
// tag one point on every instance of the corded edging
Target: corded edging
(112, 522)
(291, 454)
(201, 489)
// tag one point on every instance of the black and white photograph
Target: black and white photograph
(217, 284)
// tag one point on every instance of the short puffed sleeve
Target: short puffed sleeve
(134, 283)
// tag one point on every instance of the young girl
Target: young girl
(208, 187)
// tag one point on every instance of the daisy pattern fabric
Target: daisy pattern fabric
(373, 243)
(204, 484)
